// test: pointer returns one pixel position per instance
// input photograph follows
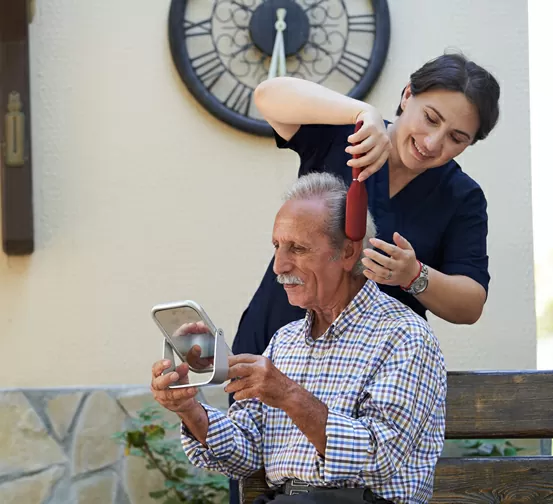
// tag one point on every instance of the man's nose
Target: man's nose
(282, 262)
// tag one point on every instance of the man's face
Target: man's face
(304, 257)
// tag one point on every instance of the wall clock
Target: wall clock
(223, 49)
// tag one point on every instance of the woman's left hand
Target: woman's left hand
(400, 268)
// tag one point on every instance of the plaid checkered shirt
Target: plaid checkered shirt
(380, 371)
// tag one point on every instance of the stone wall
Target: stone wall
(56, 446)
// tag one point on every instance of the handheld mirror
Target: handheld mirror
(191, 335)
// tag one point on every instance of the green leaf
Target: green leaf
(220, 487)
(158, 494)
(181, 472)
(154, 432)
(170, 426)
(136, 439)
(181, 456)
(173, 500)
(496, 451)
(471, 443)
(137, 452)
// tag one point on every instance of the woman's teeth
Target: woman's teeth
(419, 149)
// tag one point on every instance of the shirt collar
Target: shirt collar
(359, 305)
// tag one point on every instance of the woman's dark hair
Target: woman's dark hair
(454, 72)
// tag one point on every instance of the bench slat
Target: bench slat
(499, 405)
(493, 480)
(253, 486)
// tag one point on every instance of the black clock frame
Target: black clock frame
(184, 67)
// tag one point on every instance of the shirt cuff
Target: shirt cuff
(220, 441)
(349, 447)
(477, 274)
(302, 138)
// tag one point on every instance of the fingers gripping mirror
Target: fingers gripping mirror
(191, 335)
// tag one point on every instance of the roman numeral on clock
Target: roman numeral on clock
(363, 23)
(353, 66)
(239, 99)
(208, 67)
(197, 29)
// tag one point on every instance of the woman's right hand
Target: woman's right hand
(373, 144)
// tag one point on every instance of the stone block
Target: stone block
(31, 489)
(25, 444)
(93, 446)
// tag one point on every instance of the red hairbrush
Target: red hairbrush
(356, 203)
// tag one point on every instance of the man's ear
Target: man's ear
(407, 93)
(351, 253)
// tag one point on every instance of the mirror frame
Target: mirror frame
(221, 351)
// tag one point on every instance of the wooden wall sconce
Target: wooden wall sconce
(15, 128)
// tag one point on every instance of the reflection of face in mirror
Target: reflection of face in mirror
(191, 339)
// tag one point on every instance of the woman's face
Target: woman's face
(435, 126)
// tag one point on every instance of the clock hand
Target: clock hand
(281, 14)
(278, 59)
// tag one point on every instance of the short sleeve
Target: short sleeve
(465, 250)
(313, 143)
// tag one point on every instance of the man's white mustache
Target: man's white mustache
(289, 279)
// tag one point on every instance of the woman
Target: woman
(430, 252)
(431, 217)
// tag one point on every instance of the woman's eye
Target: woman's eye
(429, 119)
(455, 139)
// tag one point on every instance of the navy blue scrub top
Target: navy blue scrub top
(442, 213)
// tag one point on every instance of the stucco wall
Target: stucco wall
(142, 197)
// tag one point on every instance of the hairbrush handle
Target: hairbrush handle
(357, 171)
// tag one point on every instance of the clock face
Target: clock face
(223, 49)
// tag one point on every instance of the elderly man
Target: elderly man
(346, 405)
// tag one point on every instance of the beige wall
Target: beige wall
(142, 197)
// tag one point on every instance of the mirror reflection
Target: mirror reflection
(191, 340)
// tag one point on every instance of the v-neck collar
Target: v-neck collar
(360, 304)
(417, 189)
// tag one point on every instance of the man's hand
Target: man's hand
(179, 400)
(255, 376)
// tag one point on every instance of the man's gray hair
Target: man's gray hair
(333, 191)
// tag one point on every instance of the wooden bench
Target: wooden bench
(486, 405)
